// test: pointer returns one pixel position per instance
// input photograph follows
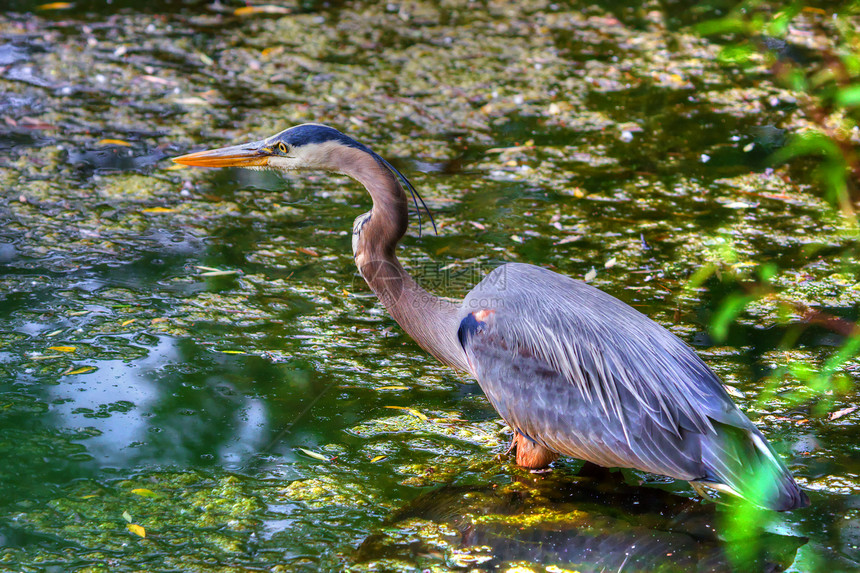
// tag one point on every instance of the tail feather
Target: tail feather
(741, 462)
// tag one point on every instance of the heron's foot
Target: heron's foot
(531, 455)
(703, 493)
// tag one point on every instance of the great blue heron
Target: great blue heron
(571, 369)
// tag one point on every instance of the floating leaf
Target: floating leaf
(412, 411)
(143, 492)
(345, 292)
(63, 348)
(734, 392)
(610, 263)
(591, 275)
(157, 80)
(83, 370)
(267, 9)
(55, 6)
(218, 273)
(310, 252)
(55, 333)
(393, 388)
(126, 516)
(568, 239)
(127, 322)
(377, 458)
(314, 455)
(843, 412)
(136, 529)
(120, 142)
(231, 351)
(157, 210)
(191, 101)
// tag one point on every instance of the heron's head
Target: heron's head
(306, 146)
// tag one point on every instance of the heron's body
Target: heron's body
(571, 369)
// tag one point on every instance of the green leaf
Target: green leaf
(728, 311)
(778, 27)
(808, 143)
(736, 54)
(849, 96)
(727, 25)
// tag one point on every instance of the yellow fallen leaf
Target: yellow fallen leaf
(251, 10)
(121, 142)
(314, 455)
(157, 210)
(63, 348)
(231, 352)
(377, 458)
(136, 529)
(143, 492)
(393, 388)
(127, 322)
(345, 292)
(90, 496)
(55, 6)
(83, 370)
(412, 411)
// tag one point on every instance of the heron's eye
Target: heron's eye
(282, 147)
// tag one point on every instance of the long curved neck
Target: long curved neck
(430, 320)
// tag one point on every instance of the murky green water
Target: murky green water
(193, 352)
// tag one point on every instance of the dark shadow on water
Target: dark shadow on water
(586, 523)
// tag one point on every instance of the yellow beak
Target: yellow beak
(254, 154)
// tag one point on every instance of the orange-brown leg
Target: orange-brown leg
(531, 455)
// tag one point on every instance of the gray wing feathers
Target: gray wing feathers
(642, 399)
(604, 347)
